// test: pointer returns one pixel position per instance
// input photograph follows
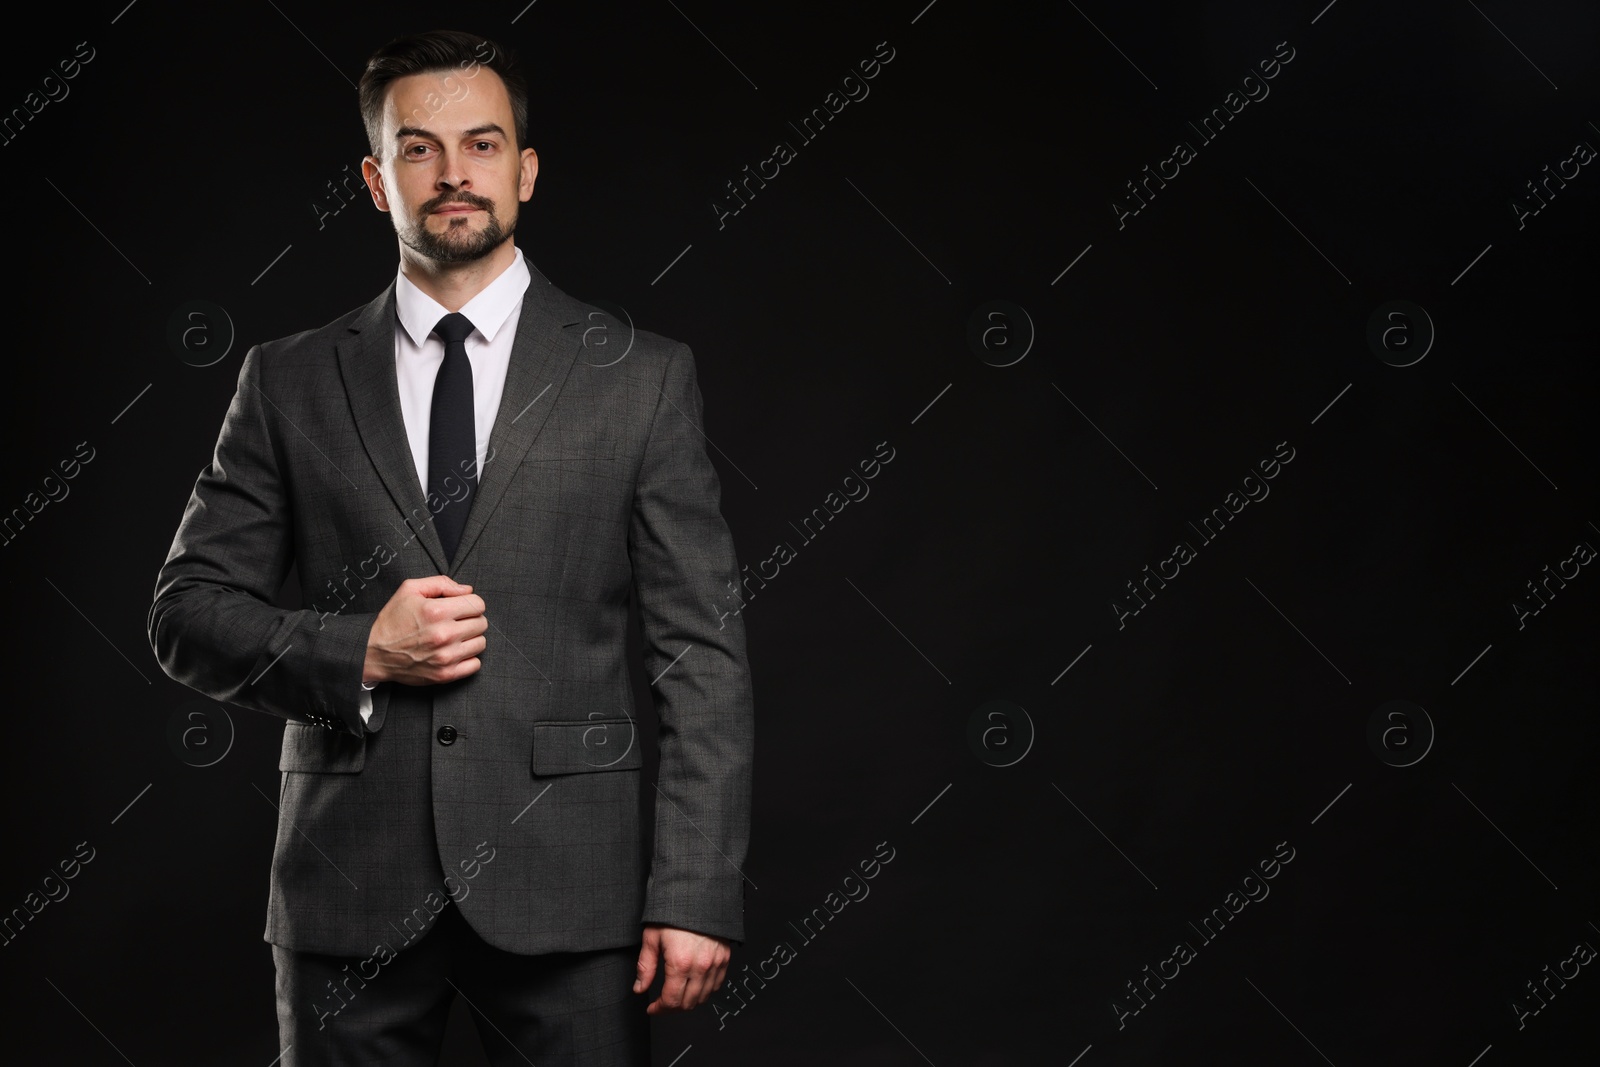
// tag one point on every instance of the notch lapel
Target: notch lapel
(541, 357)
(366, 362)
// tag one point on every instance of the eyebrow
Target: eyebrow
(476, 131)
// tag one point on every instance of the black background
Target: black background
(831, 314)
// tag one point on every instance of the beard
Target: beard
(457, 243)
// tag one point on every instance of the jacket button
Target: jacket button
(447, 735)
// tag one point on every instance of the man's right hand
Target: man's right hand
(430, 631)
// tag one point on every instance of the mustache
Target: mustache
(469, 199)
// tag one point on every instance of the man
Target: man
(471, 495)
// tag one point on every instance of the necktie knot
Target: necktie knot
(453, 328)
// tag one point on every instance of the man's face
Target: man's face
(451, 176)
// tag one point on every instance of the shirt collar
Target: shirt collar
(419, 313)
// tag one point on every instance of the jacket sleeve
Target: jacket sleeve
(213, 625)
(683, 561)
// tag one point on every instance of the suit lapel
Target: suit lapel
(541, 356)
(366, 361)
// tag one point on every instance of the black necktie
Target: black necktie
(452, 435)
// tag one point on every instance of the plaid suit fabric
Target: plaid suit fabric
(597, 489)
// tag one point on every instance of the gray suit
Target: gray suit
(597, 485)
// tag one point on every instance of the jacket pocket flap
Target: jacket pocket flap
(313, 748)
(586, 745)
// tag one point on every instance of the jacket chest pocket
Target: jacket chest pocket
(588, 484)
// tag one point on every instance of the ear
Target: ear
(530, 171)
(372, 174)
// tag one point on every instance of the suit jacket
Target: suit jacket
(513, 792)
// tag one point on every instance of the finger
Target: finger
(696, 989)
(460, 670)
(718, 977)
(466, 606)
(708, 977)
(672, 986)
(452, 663)
(704, 979)
(435, 585)
(645, 969)
(463, 639)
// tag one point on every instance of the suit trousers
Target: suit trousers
(559, 1009)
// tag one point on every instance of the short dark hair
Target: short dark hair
(432, 52)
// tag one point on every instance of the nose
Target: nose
(453, 170)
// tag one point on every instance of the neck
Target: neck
(453, 284)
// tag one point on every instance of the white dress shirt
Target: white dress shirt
(418, 355)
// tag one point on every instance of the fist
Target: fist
(430, 631)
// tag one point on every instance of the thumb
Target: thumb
(645, 971)
(441, 585)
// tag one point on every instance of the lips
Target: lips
(456, 207)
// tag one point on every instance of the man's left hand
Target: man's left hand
(694, 965)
